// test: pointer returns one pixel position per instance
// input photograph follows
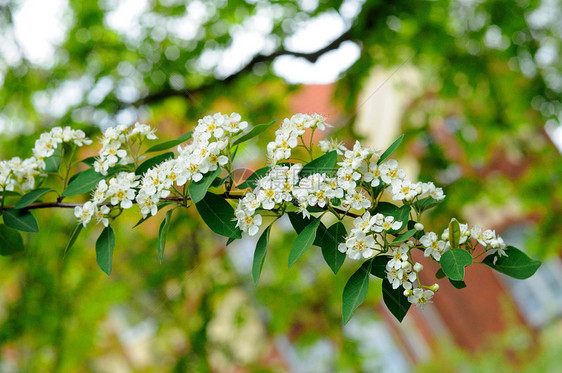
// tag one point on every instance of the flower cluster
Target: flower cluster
(208, 150)
(343, 188)
(277, 187)
(368, 238)
(402, 271)
(316, 190)
(365, 239)
(358, 181)
(287, 136)
(119, 191)
(18, 173)
(88, 210)
(285, 184)
(332, 145)
(48, 142)
(435, 246)
(113, 141)
(488, 239)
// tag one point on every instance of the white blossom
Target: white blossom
(358, 245)
(401, 276)
(390, 171)
(398, 255)
(85, 212)
(405, 190)
(433, 246)
(386, 224)
(247, 221)
(421, 297)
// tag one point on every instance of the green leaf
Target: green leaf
(149, 163)
(234, 154)
(219, 181)
(31, 197)
(458, 284)
(170, 144)
(324, 164)
(75, 232)
(230, 240)
(395, 300)
(52, 164)
(454, 233)
(334, 235)
(378, 268)
(9, 193)
(388, 152)
(516, 264)
(253, 132)
(104, 249)
(259, 254)
(314, 209)
(304, 241)
(22, 220)
(453, 262)
(217, 213)
(89, 161)
(440, 273)
(251, 181)
(86, 181)
(355, 291)
(299, 222)
(399, 213)
(11, 241)
(418, 234)
(197, 190)
(162, 234)
(405, 236)
(426, 203)
(335, 202)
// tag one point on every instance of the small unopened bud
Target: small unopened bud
(410, 244)
(407, 293)
(419, 227)
(434, 287)
(406, 266)
(445, 236)
(418, 267)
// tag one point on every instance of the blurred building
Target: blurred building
(471, 316)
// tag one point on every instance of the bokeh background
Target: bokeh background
(475, 85)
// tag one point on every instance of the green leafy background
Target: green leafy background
(59, 312)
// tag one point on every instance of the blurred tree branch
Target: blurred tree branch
(258, 59)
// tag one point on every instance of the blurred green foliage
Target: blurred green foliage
(487, 79)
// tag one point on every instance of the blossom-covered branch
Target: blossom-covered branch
(333, 184)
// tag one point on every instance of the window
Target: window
(539, 297)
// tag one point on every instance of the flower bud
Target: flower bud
(418, 267)
(410, 244)
(407, 293)
(445, 236)
(434, 287)
(419, 226)
(406, 266)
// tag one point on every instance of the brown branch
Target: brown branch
(188, 93)
(44, 205)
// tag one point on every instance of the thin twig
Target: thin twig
(45, 205)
